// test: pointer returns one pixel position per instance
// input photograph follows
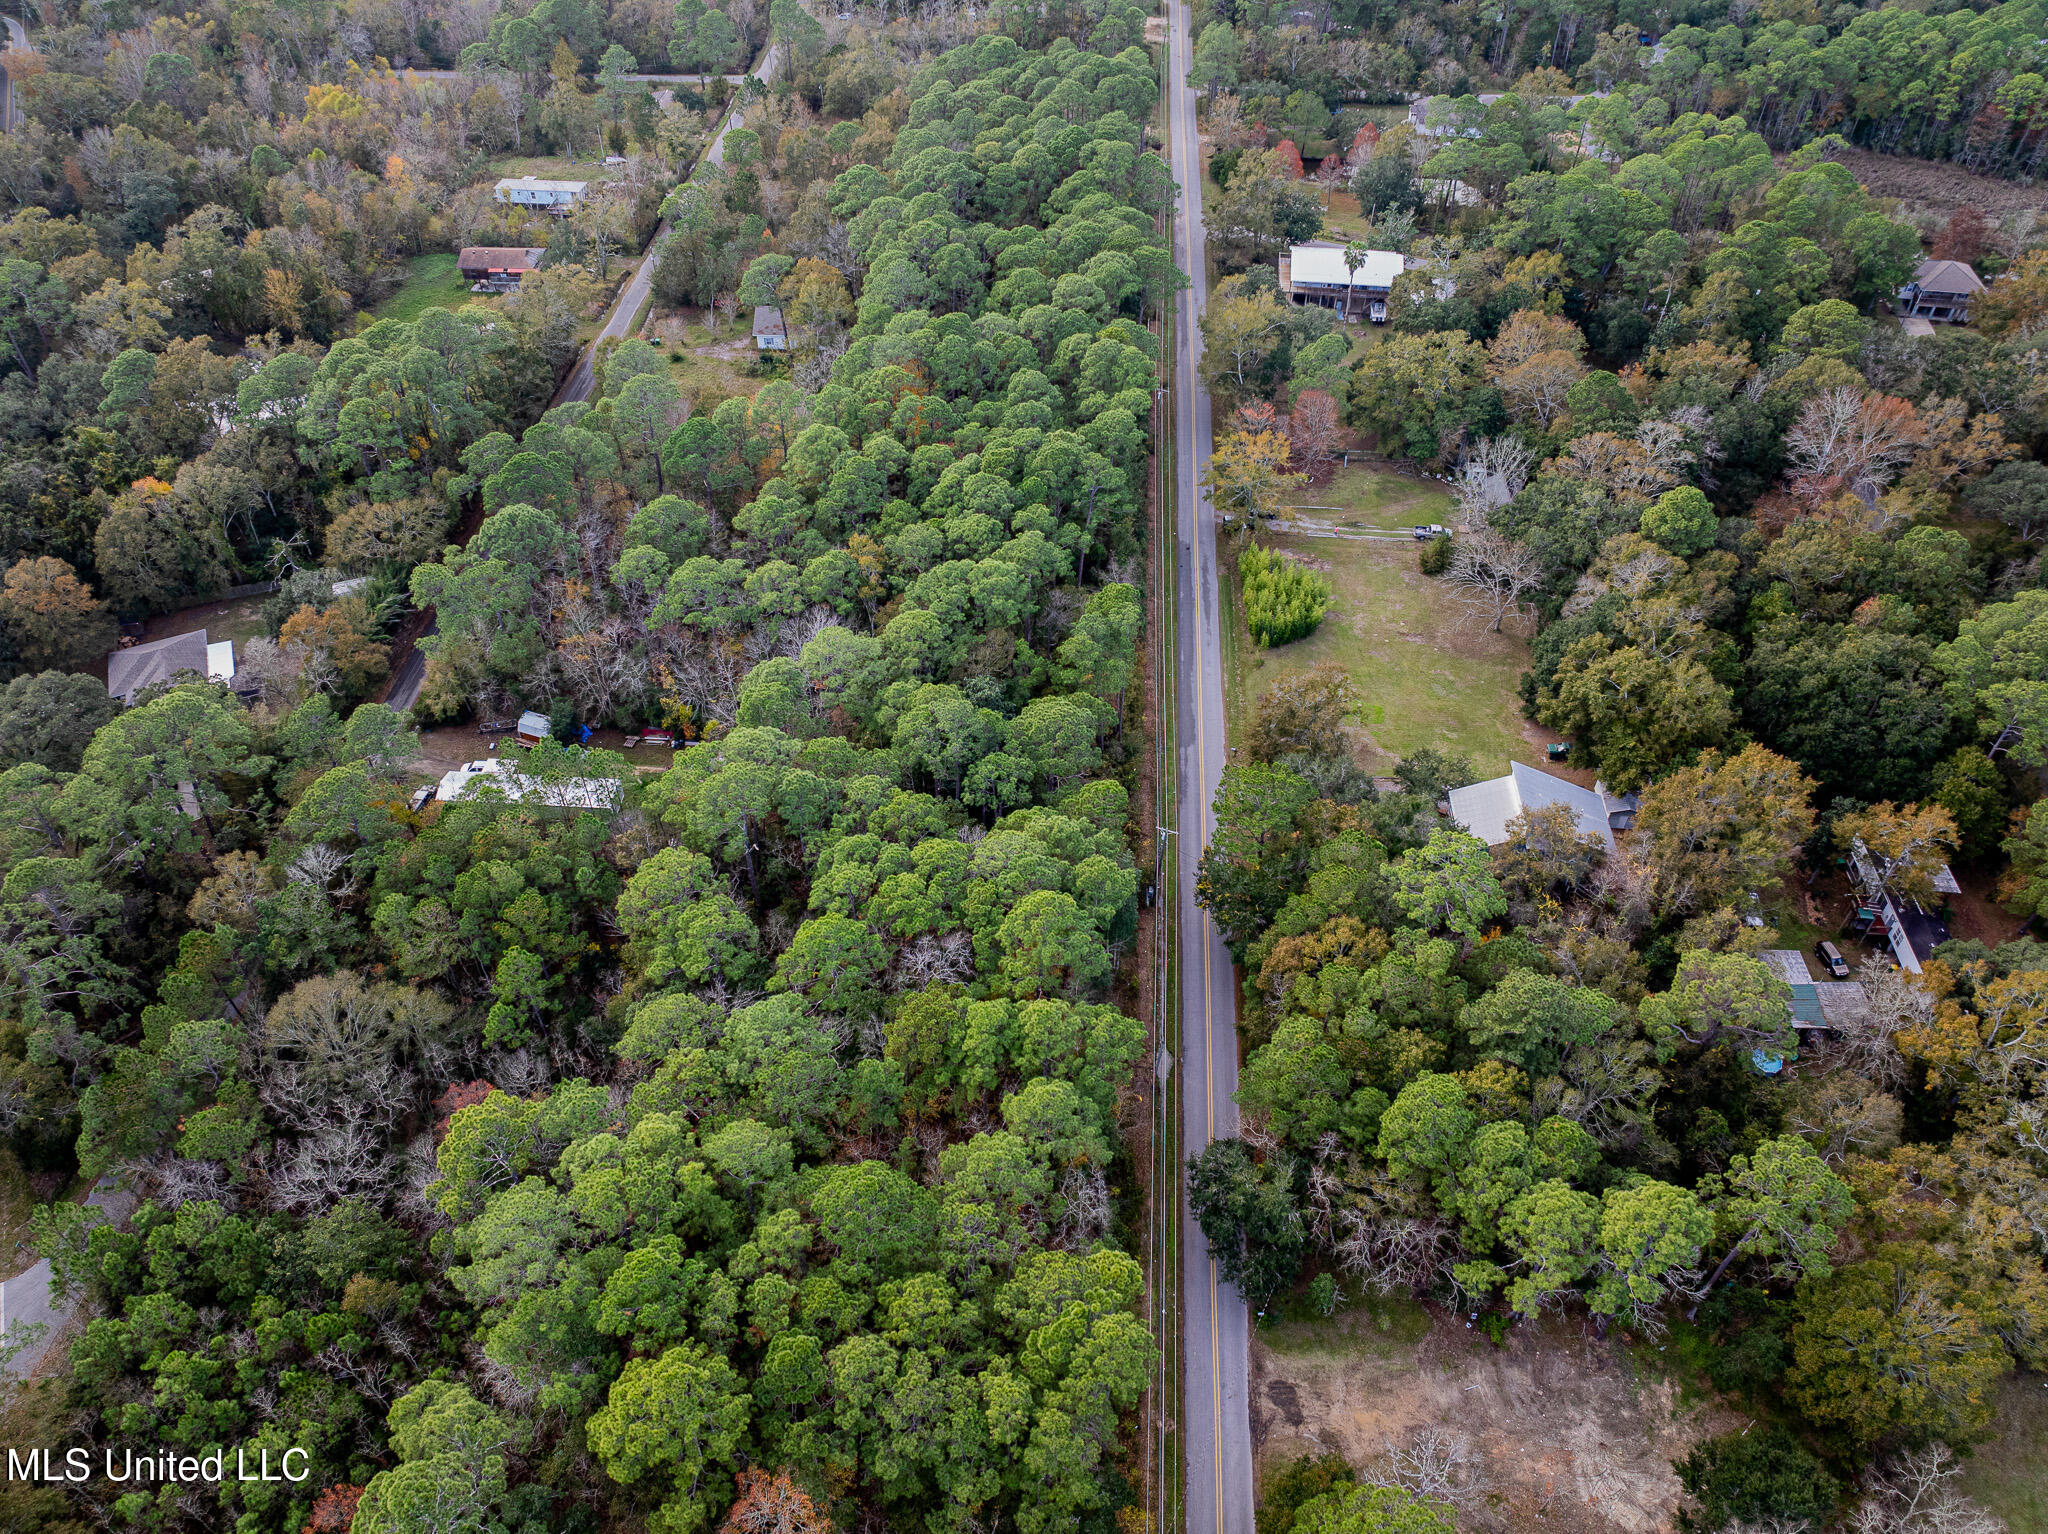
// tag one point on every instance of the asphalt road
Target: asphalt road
(581, 379)
(1215, 1424)
(404, 691)
(17, 38)
(25, 1298)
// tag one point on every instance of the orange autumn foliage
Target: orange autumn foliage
(773, 1504)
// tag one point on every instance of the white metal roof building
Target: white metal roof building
(553, 793)
(1316, 274)
(532, 192)
(1323, 266)
(1485, 809)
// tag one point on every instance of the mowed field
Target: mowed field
(1366, 499)
(2008, 1473)
(431, 283)
(1430, 672)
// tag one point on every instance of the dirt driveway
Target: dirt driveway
(1564, 1431)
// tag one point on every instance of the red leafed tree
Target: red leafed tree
(334, 1510)
(1963, 237)
(1848, 440)
(459, 1096)
(1255, 416)
(1312, 431)
(1289, 158)
(1363, 142)
(773, 1504)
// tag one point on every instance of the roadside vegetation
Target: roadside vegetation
(741, 1145)
(1759, 556)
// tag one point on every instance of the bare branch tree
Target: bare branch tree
(1843, 1114)
(1846, 439)
(1435, 1465)
(1915, 1492)
(1864, 1037)
(1495, 471)
(1491, 574)
(1085, 1208)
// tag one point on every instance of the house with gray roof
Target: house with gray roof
(1484, 809)
(1940, 290)
(146, 665)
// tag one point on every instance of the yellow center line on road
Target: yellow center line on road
(1183, 129)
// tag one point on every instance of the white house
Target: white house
(1316, 274)
(771, 333)
(1913, 931)
(1485, 809)
(532, 192)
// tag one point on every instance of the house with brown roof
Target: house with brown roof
(1940, 290)
(499, 265)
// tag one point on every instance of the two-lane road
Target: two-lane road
(1215, 1425)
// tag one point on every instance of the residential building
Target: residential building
(498, 266)
(532, 192)
(1485, 809)
(1316, 274)
(1940, 290)
(1911, 930)
(131, 670)
(771, 332)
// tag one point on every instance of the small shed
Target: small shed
(146, 665)
(1790, 966)
(533, 729)
(770, 333)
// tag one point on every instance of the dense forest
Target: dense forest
(749, 1144)
(1781, 566)
(1949, 82)
(745, 1140)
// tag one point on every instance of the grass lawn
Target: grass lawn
(432, 283)
(1430, 672)
(696, 371)
(2006, 1474)
(553, 167)
(1364, 498)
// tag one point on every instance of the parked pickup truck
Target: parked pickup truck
(1428, 531)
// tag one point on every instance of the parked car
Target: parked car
(1831, 959)
(1428, 531)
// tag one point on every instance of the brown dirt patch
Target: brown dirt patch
(1565, 1431)
(1977, 912)
(1927, 185)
